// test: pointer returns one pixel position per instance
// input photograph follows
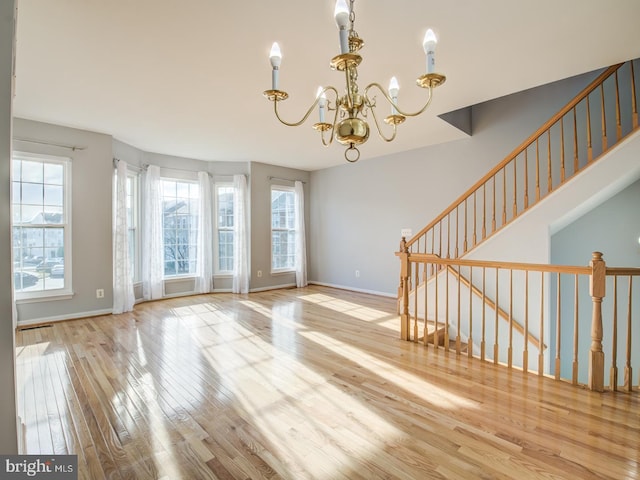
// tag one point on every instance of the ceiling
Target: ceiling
(185, 77)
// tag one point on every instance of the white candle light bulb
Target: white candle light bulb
(429, 45)
(341, 14)
(322, 102)
(393, 93)
(275, 57)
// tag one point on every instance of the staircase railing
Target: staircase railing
(565, 145)
(569, 328)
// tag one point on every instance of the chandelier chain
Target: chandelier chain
(352, 15)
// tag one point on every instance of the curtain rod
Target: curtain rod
(53, 144)
(211, 174)
(133, 168)
(286, 179)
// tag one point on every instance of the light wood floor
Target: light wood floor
(300, 384)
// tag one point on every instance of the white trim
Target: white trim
(179, 278)
(353, 289)
(274, 287)
(62, 295)
(221, 290)
(179, 294)
(60, 318)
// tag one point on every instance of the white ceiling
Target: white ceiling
(185, 77)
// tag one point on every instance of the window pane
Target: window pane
(180, 222)
(53, 174)
(39, 228)
(225, 219)
(32, 171)
(53, 195)
(32, 193)
(283, 229)
(225, 250)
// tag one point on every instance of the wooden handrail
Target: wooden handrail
(532, 267)
(523, 146)
(627, 271)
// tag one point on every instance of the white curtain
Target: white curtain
(204, 266)
(240, 236)
(123, 295)
(152, 254)
(301, 244)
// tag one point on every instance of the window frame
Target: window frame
(291, 190)
(216, 246)
(66, 292)
(177, 276)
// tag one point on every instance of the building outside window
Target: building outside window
(283, 232)
(225, 219)
(41, 225)
(180, 201)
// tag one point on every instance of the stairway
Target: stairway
(582, 156)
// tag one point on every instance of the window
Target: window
(180, 226)
(41, 225)
(283, 233)
(132, 225)
(224, 227)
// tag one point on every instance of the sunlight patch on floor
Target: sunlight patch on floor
(283, 397)
(354, 310)
(402, 379)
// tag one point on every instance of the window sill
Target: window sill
(282, 271)
(44, 297)
(178, 278)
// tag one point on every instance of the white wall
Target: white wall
(8, 413)
(358, 210)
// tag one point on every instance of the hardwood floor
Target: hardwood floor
(306, 383)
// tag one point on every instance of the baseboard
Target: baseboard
(274, 287)
(61, 318)
(354, 289)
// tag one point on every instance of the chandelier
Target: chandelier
(350, 110)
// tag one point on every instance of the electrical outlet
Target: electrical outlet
(100, 293)
(357, 273)
(259, 273)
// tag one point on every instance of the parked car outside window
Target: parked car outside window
(47, 265)
(23, 280)
(57, 271)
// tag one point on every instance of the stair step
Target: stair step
(431, 330)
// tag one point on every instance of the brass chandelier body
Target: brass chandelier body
(348, 126)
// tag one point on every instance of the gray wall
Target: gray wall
(8, 412)
(260, 188)
(91, 190)
(358, 210)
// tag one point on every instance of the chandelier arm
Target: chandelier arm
(375, 121)
(333, 127)
(388, 98)
(306, 115)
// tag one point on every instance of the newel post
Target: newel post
(597, 284)
(405, 274)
